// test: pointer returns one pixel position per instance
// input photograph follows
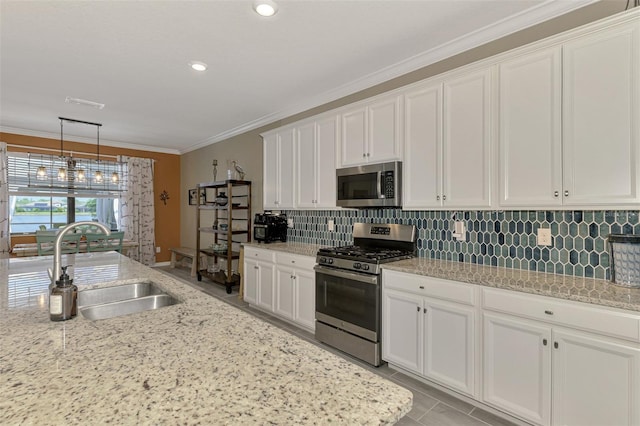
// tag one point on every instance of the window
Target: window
(36, 204)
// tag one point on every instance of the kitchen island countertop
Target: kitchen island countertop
(200, 361)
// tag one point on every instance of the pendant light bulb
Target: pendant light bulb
(80, 176)
(98, 176)
(41, 174)
(115, 178)
(62, 174)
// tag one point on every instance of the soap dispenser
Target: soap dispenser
(63, 300)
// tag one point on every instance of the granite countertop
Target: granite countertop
(588, 290)
(200, 361)
(289, 247)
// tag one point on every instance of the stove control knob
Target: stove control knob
(357, 266)
(365, 267)
(330, 261)
(323, 260)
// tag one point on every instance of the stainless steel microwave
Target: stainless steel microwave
(373, 185)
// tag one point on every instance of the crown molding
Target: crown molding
(91, 141)
(535, 15)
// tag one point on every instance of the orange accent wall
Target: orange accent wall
(166, 178)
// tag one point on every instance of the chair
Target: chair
(45, 241)
(102, 242)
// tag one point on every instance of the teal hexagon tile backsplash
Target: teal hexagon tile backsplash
(498, 238)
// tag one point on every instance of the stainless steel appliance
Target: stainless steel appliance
(373, 185)
(348, 287)
(269, 227)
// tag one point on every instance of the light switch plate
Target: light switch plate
(290, 223)
(544, 237)
(460, 231)
(331, 225)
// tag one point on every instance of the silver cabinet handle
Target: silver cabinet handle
(425, 310)
(444, 198)
(556, 193)
(438, 198)
(544, 342)
(548, 312)
(255, 267)
(421, 287)
(566, 193)
(367, 154)
(418, 308)
(364, 155)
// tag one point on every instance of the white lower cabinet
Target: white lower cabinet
(517, 367)
(429, 336)
(546, 373)
(543, 360)
(290, 292)
(258, 277)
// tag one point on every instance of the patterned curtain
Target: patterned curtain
(137, 218)
(5, 237)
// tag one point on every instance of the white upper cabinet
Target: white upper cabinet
(601, 93)
(279, 170)
(422, 167)
(315, 162)
(467, 140)
(530, 132)
(371, 132)
(448, 143)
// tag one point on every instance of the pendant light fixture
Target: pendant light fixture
(62, 172)
(97, 176)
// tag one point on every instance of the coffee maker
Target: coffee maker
(269, 227)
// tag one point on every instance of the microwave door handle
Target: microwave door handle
(379, 183)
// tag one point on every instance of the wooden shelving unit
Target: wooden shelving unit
(209, 218)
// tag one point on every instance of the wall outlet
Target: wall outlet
(157, 249)
(459, 231)
(544, 237)
(290, 223)
(331, 226)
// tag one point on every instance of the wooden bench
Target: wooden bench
(185, 252)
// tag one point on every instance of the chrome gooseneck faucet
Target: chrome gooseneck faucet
(57, 245)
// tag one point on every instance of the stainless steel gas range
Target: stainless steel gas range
(348, 287)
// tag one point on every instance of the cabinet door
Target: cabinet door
(265, 285)
(384, 139)
(354, 137)
(402, 330)
(449, 345)
(251, 283)
(326, 142)
(595, 381)
(467, 141)
(270, 173)
(530, 130)
(517, 367)
(600, 116)
(305, 299)
(307, 166)
(284, 292)
(286, 169)
(422, 166)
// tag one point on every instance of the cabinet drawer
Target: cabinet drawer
(258, 254)
(565, 313)
(430, 287)
(296, 261)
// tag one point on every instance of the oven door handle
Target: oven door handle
(364, 278)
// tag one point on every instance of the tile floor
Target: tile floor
(430, 405)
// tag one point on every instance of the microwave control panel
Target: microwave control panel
(389, 184)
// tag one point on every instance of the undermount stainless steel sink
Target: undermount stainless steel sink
(109, 302)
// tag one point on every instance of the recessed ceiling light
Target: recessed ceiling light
(198, 66)
(85, 102)
(265, 7)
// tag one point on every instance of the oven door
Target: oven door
(349, 301)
